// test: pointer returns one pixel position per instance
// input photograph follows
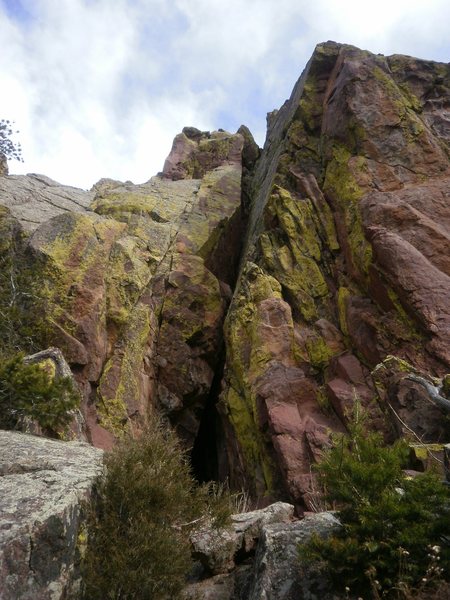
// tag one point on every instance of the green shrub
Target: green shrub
(28, 390)
(147, 504)
(23, 326)
(395, 530)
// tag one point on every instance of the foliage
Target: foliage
(395, 529)
(22, 307)
(7, 147)
(147, 504)
(28, 390)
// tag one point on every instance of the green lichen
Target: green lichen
(319, 352)
(405, 103)
(292, 250)
(342, 295)
(127, 276)
(120, 383)
(422, 452)
(446, 385)
(323, 400)
(240, 409)
(389, 364)
(249, 352)
(340, 184)
(72, 259)
(406, 323)
(114, 204)
(395, 363)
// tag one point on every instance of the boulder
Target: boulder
(217, 550)
(279, 573)
(43, 484)
(276, 571)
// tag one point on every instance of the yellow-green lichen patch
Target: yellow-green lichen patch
(258, 330)
(407, 325)
(319, 352)
(67, 257)
(291, 250)
(322, 400)
(422, 451)
(446, 385)
(218, 197)
(417, 144)
(341, 185)
(127, 275)
(73, 255)
(121, 381)
(391, 364)
(342, 295)
(401, 96)
(394, 363)
(114, 204)
(257, 461)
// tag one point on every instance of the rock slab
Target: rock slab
(42, 484)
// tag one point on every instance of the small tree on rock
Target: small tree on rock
(8, 148)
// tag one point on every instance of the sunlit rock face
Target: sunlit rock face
(346, 262)
(248, 295)
(135, 280)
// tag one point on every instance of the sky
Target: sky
(99, 88)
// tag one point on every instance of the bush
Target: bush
(395, 530)
(147, 504)
(23, 308)
(29, 391)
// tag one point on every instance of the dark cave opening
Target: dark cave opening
(204, 453)
(208, 455)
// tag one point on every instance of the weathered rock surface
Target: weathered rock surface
(217, 549)
(345, 263)
(331, 245)
(277, 571)
(33, 199)
(135, 288)
(42, 483)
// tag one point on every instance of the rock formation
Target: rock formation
(42, 483)
(248, 295)
(345, 262)
(257, 557)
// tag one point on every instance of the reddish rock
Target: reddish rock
(323, 254)
(195, 152)
(350, 218)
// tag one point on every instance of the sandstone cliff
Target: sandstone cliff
(248, 295)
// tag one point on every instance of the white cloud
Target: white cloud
(100, 88)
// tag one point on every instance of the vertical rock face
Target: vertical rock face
(134, 286)
(346, 260)
(331, 245)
